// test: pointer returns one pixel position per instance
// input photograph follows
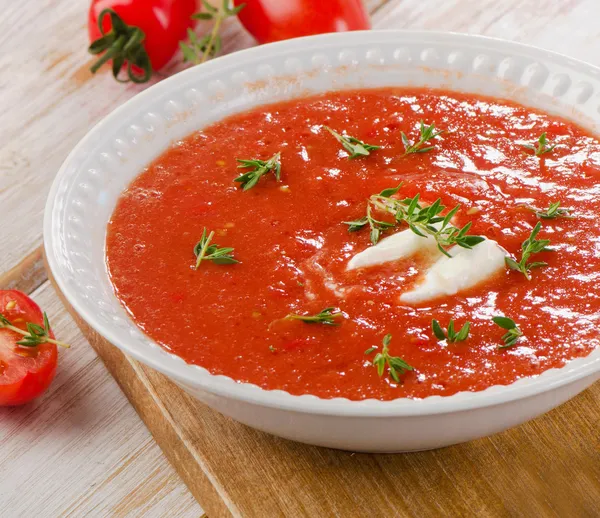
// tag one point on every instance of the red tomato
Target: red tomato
(164, 23)
(274, 20)
(25, 372)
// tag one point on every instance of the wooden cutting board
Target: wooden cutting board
(547, 467)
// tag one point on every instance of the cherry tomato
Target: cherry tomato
(163, 22)
(274, 20)
(25, 372)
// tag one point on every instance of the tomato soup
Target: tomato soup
(290, 314)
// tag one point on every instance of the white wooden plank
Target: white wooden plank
(81, 450)
(565, 26)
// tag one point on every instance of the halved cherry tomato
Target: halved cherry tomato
(25, 372)
(274, 20)
(163, 22)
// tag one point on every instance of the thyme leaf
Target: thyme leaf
(258, 168)
(198, 50)
(426, 134)
(422, 220)
(552, 212)
(396, 365)
(541, 147)
(450, 335)
(530, 246)
(205, 250)
(326, 317)
(35, 334)
(513, 333)
(355, 147)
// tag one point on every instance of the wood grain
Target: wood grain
(548, 467)
(81, 450)
(26, 276)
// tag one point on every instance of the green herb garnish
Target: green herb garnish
(259, 168)
(427, 133)
(35, 334)
(552, 212)
(541, 147)
(396, 365)
(199, 50)
(355, 147)
(326, 317)
(205, 250)
(377, 226)
(423, 221)
(530, 246)
(451, 335)
(513, 333)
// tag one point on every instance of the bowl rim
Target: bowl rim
(219, 385)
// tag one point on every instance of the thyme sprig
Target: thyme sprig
(396, 365)
(427, 133)
(541, 147)
(513, 333)
(326, 317)
(356, 148)
(201, 49)
(35, 334)
(422, 220)
(377, 226)
(205, 250)
(552, 212)
(450, 335)
(258, 169)
(530, 246)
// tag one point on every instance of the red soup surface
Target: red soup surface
(293, 246)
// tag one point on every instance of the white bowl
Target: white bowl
(117, 149)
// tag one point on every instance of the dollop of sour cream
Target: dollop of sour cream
(391, 248)
(464, 268)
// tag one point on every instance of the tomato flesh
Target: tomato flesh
(275, 20)
(25, 372)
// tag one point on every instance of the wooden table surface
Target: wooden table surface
(81, 449)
